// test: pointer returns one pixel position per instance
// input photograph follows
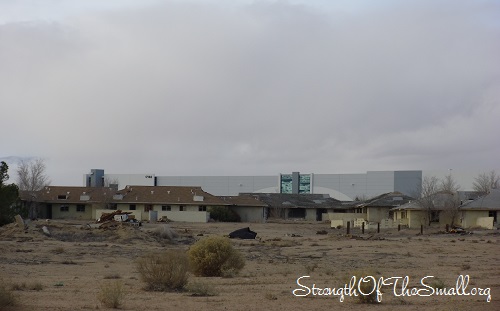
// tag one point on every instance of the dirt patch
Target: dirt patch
(74, 260)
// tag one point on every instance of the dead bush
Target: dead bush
(111, 294)
(164, 271)
(215, 256)
(165, 232)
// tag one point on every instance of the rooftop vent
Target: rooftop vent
(198, 198)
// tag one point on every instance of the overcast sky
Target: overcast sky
(249, 87)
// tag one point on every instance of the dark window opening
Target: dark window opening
(202, 208)
(80, 208)
(64, 208)
(166, 208)
(181, 208)
(131, 207)
(494, 215)
(435, 216)
(297, 213)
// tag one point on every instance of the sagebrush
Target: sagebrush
(214, 256)
(164, 271)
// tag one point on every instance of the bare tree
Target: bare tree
(451, 203)
(448, 184)
(429, 187)
(109, 182)
(484, 182)
(32, 178)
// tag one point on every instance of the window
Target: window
(493, 214)
(202, 208)
(80, 208)
(391, 215)
(64, 208)
(131, 207)
(166, 208)
(435, 216)
(62, 197)
(148, 208)
(181, 208)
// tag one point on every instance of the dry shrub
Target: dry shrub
(165, 232)
(201, 289)
(215, 256)
(7, 298)
(367, 287)
(111, 294)
(164, 271)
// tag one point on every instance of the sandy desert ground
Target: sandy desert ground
(74, 262)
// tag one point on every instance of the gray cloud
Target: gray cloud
(254, 88)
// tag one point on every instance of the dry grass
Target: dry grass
(111, 294)
(112, 276)
(58, 250)
(37, 286)
(7, 298)
(201, 289)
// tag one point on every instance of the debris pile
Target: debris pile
(108, 220)
(244, 233)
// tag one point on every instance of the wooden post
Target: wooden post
(378, 227)
(348, 227)
(363, 228)
(421, 229)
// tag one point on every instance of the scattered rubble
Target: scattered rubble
(111, 220)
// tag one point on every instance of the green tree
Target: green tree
(9, 194)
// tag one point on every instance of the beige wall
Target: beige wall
(249, 214)
(346, 216)
(485, 222)
(376, 214)
(187, 216)
(469, 218)
(71, 213)
(417, 218)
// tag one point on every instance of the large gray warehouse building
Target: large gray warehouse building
(339, 186)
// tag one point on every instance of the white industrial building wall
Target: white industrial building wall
(221, 185)
(131, 179)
